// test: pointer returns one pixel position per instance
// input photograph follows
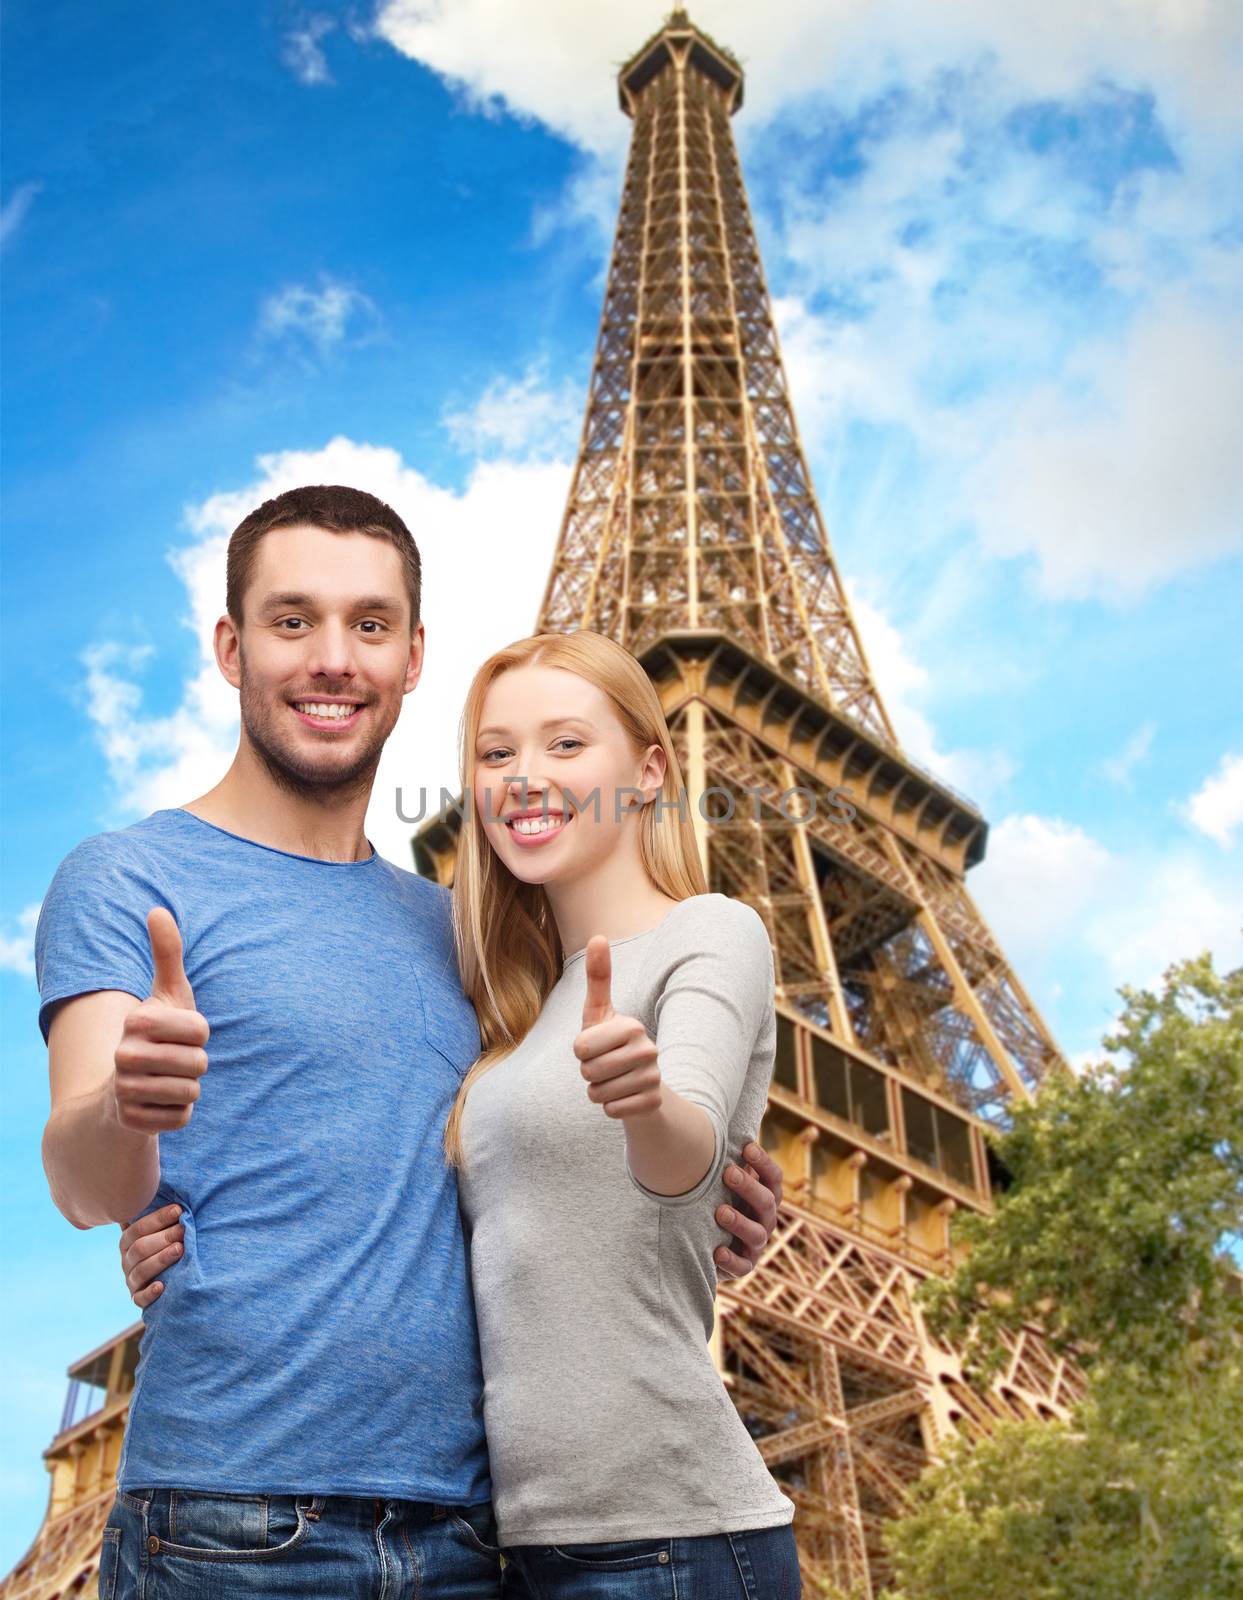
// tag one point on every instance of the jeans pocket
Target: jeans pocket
(207, 1525)
(477, 1525)
(109, 1556)
(615, 1556)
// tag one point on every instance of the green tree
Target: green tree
(1114, 1235)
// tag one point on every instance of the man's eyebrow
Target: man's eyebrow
(549, 722)
(370, 602)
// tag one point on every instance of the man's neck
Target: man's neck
(248, 802)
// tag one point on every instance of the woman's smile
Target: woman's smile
(538, 829)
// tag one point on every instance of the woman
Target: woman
(628, 1035)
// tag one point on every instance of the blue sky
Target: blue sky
(253, 245)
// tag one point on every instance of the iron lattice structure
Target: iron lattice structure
(692, 535)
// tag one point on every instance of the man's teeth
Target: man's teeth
(536, 824)
(312, 708)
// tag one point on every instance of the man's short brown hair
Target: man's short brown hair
(333, 506)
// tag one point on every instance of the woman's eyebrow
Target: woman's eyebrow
(548, 722)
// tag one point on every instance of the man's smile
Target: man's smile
(335, 714)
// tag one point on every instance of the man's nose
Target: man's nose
(332, 651)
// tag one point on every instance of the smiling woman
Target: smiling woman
(628, 1029)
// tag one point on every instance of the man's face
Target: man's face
(324, 657)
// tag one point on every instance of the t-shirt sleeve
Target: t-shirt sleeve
(716, 981)
(92, 927)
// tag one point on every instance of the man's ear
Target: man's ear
(414, 662)
(226, 641)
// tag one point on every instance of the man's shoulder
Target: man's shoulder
(423, 897)
(138, 844)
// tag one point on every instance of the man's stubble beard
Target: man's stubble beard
(285, 766)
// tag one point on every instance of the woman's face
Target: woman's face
(558, 732)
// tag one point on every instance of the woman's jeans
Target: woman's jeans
(758, 1565)
(181, 1544)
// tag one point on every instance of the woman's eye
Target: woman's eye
(488, 754)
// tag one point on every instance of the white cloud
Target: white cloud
(1078, 919)
(504, 524)
(302, 52)
(905, 687)
(1128, 469)
(1036, 882)
(15, 211)
(552, 60)
(519, 416)
(1134, 753)
(321, 317)
(1162, 910)
(17, 950)
(1216, 808)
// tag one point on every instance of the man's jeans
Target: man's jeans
(184, 1544)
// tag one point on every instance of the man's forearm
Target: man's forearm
(97, 1170)
(670, 1149)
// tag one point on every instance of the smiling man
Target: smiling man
(256, 1030)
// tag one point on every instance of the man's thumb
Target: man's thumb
(598, 1004)
(170, 983)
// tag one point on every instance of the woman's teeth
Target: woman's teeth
(536, 824)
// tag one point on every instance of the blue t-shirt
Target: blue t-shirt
(318, 1334)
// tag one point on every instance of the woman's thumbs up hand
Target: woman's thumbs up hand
(618, 1059)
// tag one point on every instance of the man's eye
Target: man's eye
(371, 623)
(286, 620)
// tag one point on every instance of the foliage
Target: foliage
(1114, 1236)
(1127, 1187)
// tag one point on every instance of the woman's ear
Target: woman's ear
(655, 765)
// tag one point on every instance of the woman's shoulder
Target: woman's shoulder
(713, 917)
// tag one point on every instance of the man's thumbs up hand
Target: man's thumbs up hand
(618, 1059)
(170, 983)
(157, 1065)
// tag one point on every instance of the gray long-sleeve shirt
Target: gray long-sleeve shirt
(605, 1415)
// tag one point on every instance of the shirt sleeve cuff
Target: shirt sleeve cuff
(705, 1183)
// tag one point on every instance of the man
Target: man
(307, 1411)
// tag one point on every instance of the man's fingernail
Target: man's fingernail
(729, 1215)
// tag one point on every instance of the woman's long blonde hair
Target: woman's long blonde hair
(508, 948)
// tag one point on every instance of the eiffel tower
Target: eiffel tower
(692, 535)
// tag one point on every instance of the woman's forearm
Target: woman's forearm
(670, 1149)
